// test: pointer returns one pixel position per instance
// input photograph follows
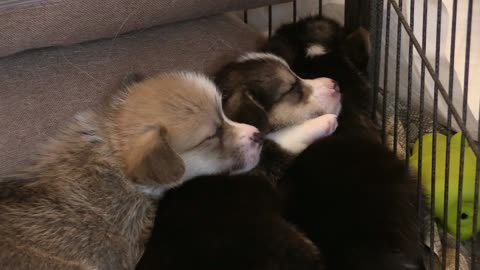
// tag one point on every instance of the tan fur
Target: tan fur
(79, 206)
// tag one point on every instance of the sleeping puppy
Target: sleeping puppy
(317, 47)
(349, 193)
(236, 222)
(89, 200)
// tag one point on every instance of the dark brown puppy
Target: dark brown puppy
(350, 194)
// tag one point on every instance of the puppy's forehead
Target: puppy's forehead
(270, 75)
(195, 108)
(191, 94)
(265, 67)
(175, 100)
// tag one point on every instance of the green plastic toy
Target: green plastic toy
(468, 180)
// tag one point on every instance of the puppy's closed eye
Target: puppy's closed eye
(217, 134)
(294, 90)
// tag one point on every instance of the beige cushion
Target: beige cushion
(41, 89)
(26, 24)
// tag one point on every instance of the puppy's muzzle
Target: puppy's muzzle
(325, 85)
(249, 140)
(249, 135)
(326, 94)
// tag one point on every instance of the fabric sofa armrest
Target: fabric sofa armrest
(28, 24)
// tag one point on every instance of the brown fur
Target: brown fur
(79, 205)
(261, 90)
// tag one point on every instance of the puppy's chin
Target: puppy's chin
(335, 105)
(244, 160)
(335, 109)
(338, 109)
(250, 159)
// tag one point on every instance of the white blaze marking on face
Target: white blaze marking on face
(316, 50)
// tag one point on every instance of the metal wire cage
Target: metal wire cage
(419, 92)
(443, 91)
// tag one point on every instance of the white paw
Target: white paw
(318, 128)
(322, 126)
(296, 138)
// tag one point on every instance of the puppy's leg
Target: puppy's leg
(295, 139)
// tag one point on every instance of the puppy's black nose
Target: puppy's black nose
(257, 137)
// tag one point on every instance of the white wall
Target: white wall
(431, 45)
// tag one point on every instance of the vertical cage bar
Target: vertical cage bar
(409, 80)
(421, 109)
(460, 196)
(385, 74)
(269, 20)
(475, 210)
(320, 7)
(434, 133)
(473, 265)
(245, 16)
(294, 3)
(449, 136)
(397, 81)
(376, 24)
(462, 142)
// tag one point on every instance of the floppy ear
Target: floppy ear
(358, 47)
(151, 160)
(254, 113)
(132, 78)
(248, 111)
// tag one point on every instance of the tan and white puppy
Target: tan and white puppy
(88, 201)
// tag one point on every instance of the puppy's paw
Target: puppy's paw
(321, 126)
(296, 138)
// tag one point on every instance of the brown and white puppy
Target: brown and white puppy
(263, 85)
(260, 89)
(236, 222)
(88, 201)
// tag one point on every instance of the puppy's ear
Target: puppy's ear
(245, 109)
(358, 47)
(132, 78)
(151, 160)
